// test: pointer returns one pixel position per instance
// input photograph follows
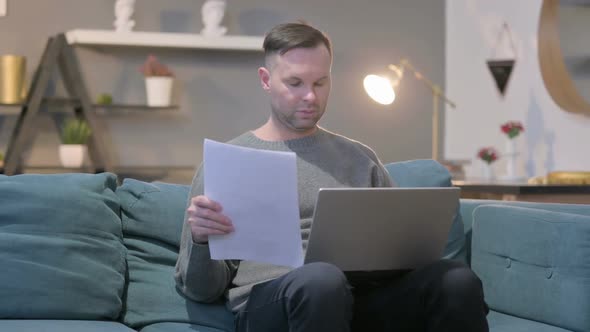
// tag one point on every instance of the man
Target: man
(445, 296)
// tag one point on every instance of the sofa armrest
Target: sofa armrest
(534, 263)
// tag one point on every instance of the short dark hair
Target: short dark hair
(287, 36)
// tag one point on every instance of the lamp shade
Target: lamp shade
(379, 88)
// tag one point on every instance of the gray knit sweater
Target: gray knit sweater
(324, 160)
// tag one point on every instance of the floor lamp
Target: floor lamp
(382, 90)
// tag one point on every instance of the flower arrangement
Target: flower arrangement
(512, 128)
(488, 154)
(75, 131)
(153, 67)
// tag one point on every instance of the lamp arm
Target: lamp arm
(434, 88)
(437, 94)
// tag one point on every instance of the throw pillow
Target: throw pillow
(430, 173)
(534, 264)
(152, 216)
(61, 247)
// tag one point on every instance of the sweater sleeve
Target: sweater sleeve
(379, 174)
(197, 275)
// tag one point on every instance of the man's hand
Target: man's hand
(205, 218)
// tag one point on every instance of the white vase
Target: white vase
(158, 90)
(487, 172)
(511, 156)
(72, 155)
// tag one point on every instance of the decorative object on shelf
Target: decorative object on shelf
(456, 167)
(212, 14)
(12, 78)
(123, 11)
(501, 68)
(512, 129)
(158, 82)
(3, 6)
(381, 90)
(488, 155)
(104, 99)
(74, 136)
(562, 177)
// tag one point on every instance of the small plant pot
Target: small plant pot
(72, 155)
(158, 90)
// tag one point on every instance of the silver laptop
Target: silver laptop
(379, 229)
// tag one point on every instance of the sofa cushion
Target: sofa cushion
(500, 322)
(152, 216)
(430, 173)
(179, 327)
(61, 247)
(534, 264)
(39, 325)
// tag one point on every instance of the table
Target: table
(509, 191)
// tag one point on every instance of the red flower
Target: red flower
(153, 67)
(512, 128)
(488, 154)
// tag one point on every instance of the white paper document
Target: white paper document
(258, 192)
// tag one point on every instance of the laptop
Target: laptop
(381, 229)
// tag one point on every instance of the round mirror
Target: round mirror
(564, 57)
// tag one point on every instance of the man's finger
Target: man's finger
(213, 215)
(208, 225)
(205, 202)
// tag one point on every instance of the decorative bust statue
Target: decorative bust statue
(123, 12)
(212, 13)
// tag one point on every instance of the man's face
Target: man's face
(298, 83)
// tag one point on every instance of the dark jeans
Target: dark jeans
(443, 296)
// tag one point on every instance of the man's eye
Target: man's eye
(295, 84)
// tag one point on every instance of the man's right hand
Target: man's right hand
(205, 218)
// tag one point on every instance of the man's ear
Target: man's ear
(264, 75)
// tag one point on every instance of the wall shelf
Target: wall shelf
(163, 39)
(59, 105)
(174, 174)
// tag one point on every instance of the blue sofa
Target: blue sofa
(79, 252)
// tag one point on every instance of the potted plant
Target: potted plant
(74, 136)
(158, 82)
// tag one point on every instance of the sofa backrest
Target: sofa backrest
(430, 173)
(61, 247)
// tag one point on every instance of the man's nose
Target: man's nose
(309, 95)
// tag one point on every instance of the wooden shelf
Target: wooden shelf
(173, 174)
(58, 105)
(49, 169)
(163, 39)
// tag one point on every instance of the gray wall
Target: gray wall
(218, 92)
